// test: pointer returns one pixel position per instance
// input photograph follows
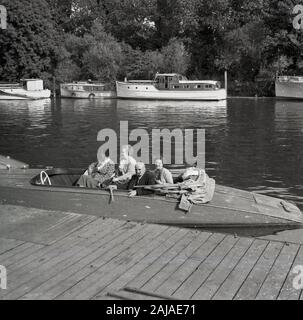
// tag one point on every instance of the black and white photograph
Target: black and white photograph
(151, 153)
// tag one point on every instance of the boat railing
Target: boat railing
(142, 81)
(9, 85)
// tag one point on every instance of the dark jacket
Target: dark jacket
(148, 178)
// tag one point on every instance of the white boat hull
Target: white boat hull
(127, 90)
(65, 93)
(21, 94)
(288, 89)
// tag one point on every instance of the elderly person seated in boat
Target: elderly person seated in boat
(141, 178)
(98, 173)
(162, 175)
(126, 166)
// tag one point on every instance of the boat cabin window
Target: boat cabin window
(208, 86)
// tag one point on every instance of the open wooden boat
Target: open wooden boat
(229, 208)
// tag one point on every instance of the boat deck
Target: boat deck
(59, 255)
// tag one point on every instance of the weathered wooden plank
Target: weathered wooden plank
(288, 291)
(191, 285)
(235, 279)
(175, 263)
(159, 246)
(166, 259)
(53, 260)
(53, 282)
(39, 226)
(87, 277)
(172, 248)
(17, 254)
(277, 275)
(54, 249)
(177, 278)
(124, 261)
(255, 279)
(218, 276)
(167, 233)
(9, 244)
(54, 266)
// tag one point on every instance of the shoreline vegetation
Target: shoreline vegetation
(108, 40)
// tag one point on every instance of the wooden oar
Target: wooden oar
(167, 186)
(158, 186)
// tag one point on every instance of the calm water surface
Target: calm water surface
(252, 144)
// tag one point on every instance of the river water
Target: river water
(251, 144)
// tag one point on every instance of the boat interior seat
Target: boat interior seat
(64, 180)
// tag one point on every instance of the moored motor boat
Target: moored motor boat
(86, 90)
(229, 207)
(289, 87)
(171, 86)
(230, 210)
(27, 89)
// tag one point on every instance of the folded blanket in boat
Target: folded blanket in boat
(199, 192)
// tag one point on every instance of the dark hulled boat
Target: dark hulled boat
(229, 207)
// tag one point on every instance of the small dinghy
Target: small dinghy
(56, 189)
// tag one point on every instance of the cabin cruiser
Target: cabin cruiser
(171, 86)
(86, 90)
(27, 89)
(290, 87)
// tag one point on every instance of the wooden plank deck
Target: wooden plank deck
(57, 255)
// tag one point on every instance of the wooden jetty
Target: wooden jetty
(60, 255)
(6, 162)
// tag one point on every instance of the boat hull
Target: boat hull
(289, 90)
(21, 94)
(144, 91)
(65, 93)
(229, 208)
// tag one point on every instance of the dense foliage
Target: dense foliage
(112, 39)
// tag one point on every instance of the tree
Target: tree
(103, 58)
(96, 55)
(28, 47)
(175, 57)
